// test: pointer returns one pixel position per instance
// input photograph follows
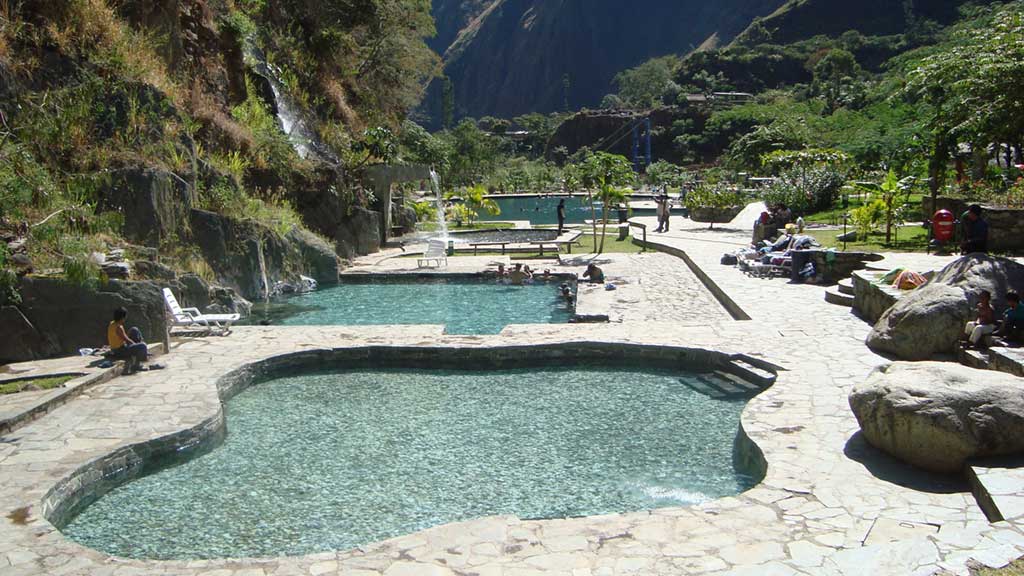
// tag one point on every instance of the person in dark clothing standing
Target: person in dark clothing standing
(975, 231)
(561, 216)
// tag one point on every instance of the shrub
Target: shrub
(8, 280)
(806, 190)
(867, 218)
(425, 211)
(81, 271)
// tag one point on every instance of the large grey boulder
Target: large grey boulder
(938, 415)
(929, 320)
(321, 263)
(155, 203)
(21, 340)
(68, 317)
(360, 234)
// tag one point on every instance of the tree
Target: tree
(892, 193)
(663, 173)
(608, 173)
(447, 103)
(974, 84)
(643, 87)
(833, 76)
(379, 143)
(475, 201)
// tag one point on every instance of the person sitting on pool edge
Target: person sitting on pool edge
(594, 274)
(128, 346)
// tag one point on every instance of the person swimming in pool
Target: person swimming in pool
(517, 276)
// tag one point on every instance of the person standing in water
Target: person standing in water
(561, 216)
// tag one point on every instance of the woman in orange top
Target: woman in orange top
(126, 345)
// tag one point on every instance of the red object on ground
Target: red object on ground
(943, 226)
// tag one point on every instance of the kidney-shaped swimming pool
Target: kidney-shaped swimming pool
(331, 460)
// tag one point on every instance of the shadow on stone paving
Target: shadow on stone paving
(889, 469)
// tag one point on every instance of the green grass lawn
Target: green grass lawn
(432, 226)
(907, 239)
(834, 216)
(34, 384)
(1014, 569)
(611, 245)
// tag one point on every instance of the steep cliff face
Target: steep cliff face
(522, 56)
(451, 17)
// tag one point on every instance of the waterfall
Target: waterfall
(442, 222)
(263, 269)
(292, 120)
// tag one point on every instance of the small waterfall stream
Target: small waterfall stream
(293, 121)
(442, 222)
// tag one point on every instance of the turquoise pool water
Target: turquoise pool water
(541, 210)
(329, 461)
(463, 306)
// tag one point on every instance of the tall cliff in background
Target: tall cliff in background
(514, 56)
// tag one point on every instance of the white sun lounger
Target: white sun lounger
(194, 319)
(435, 253)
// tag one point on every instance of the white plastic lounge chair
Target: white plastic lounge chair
(435, 253)
(194, 319)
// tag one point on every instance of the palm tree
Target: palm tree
(609, 173)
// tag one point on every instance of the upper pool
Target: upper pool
(541, 210)
(462, 305)
(332, 460)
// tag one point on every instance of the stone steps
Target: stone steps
(736, 379)
(846, 286)
(973, 358)
(833, 295)
(997, 485)
(748, 369)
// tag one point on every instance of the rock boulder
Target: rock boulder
(360, 235)
(937, 415)
(68, 317)
(929, 320)
(155, 203)
(21, 340)
(321, 263)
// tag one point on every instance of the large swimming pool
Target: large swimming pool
(332, 460)
(463, 306)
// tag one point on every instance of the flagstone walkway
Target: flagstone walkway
(828, 505)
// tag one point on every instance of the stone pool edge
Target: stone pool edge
(98, 476)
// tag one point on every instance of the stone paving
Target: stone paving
(829, 504)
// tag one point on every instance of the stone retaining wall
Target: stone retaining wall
(1005, 225)
(871, 300)
(843, 265)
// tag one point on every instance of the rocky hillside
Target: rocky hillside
(803, 19)
(216, 140)
(521, 56)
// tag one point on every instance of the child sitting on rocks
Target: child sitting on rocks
(985, 323)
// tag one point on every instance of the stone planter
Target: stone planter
(715, 215)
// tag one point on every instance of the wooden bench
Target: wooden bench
(557, 244)
(477, 245)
